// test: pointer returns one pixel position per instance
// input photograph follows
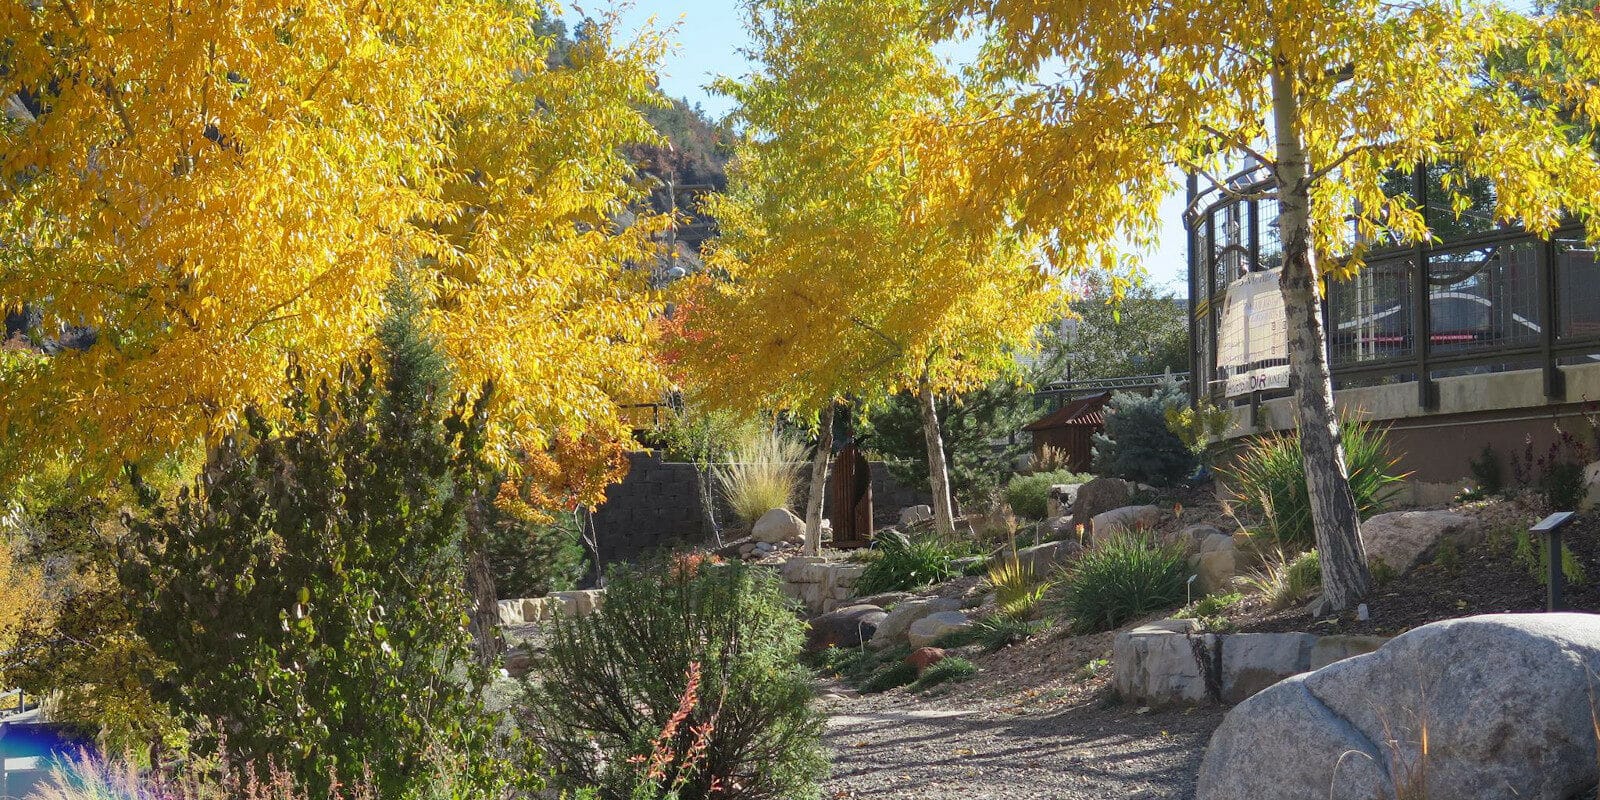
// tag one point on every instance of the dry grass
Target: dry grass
(763, 472)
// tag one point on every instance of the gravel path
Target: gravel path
(906, 747)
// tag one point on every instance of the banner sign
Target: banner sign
(1253, 337)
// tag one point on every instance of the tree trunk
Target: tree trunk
(819, 483)
(480, 587)
(1345, 578)
(938, 472)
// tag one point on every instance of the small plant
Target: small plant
(1122, 577)
(1197, 425)
(1029, 495)
(1210, 606)
(950, 669)
(1018, 589)
(1487, 471)
(1050, 459)
(1001, 631)
(907, 562)
(1092, 668)
(1558, 472)
(1448, 556)
(1535, 556)
(1284, 581)
(763, 473)
(1269, 481)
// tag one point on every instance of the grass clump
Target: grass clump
(1122, 577)
(906, 562)
(1269, 481)
(763, 473)
(1283, 581)
(890, 676)
(1029, 495)
(1019, 589)
(951, 669)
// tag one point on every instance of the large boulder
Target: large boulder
(1401, 539)
(1216, 568)
(893, 628)
(1097, 497)
(1505, 701)
(1125, 518)
(777, 526)
(845, 627)
(1042, 559)
(924, 632)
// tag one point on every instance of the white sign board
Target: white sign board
(1253, 338)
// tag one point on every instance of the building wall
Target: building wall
(1505, 411)
(658, 505)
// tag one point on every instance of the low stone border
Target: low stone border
(1172, 661)
(538, 609)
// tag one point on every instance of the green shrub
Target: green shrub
(950, 669)
(531, 559)
(907, 562)
(611, 682)
(1137, 444)
(1001, 631)
(308, 589)
(1029, 495)
(1269, 481)
(1124, 576)
(1487, 471)
(890, 676)
(762, 473)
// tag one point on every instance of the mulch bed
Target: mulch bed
(1483, 580)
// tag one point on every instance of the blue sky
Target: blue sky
(709, 37)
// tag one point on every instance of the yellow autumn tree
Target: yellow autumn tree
(212, 190)
(1331, 98)
(839, 272)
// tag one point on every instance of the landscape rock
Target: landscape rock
(845, 627)
(1505, 699)
(961, 565)
(1043, 559)
(927, 630)
(1156, 663)
(1062, 527)
(1251, 662)
(1061, 498)
(1218, 542)
(924, 657)
(893, 628)
(1216, 570)
(1591, 484)
(1401, 539)
(1097, 497)
(778, 525)
(1125, 518)
(1193, 536)
(915, 515)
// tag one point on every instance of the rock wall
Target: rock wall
(522, 611)
(820, 585)
(658, 505)
(1173, 662)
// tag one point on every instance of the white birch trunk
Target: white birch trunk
(938, 471)
(1345, 577)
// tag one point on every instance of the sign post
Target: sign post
(1555, 579)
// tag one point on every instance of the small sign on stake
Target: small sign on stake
(1555, 579)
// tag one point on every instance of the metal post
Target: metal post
(1555, 580)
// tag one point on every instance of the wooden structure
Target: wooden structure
(1069, 428)
(850, 499)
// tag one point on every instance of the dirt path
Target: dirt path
(905, 747)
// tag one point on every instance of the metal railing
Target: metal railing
(1490, 299)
